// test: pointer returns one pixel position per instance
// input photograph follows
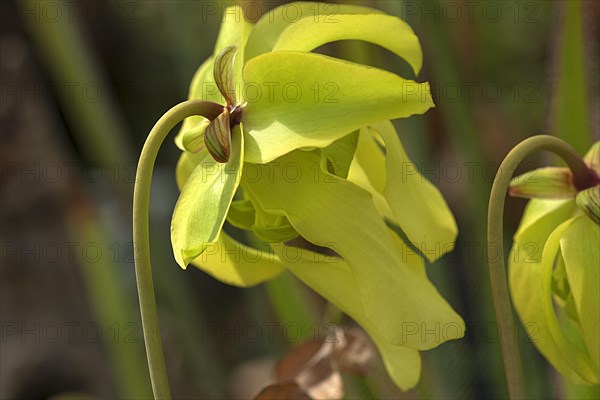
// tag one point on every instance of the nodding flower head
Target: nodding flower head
(553, 270)
(294, 159)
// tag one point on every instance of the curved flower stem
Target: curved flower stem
(141, 248)
(581, 179)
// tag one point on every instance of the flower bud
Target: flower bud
(544, 183)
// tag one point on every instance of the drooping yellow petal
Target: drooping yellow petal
(570, 344)
(234, 263)
(525, 279)
(298, 100)
(393, 287)
(387, 31)
(580, 246)
(333, 279)
(203, 203)
(270, 27)
(418, 206)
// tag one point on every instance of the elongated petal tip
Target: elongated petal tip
(180, 259)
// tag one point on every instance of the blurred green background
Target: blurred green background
(84, 81)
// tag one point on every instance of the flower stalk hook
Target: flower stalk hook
(141, 206)
(582, 178)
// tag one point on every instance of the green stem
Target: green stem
(141, 204)
(581, 178)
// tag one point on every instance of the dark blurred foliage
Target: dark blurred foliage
(82, 84)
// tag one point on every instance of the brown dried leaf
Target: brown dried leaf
(297, 359)
(283, 391)
(311, 364)
(322, 380)
(358, 356)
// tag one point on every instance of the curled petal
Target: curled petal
(340, 153)
(271, 234)
(588, 201)
(541, 218)
(217, 137)
(224, 73)
(329, 211)
(193, 140)
(386, 31)
(241, 214)
(236, 264)
(418, 206)
(567, 340)
(269, 28)
(235, 30)
(271, 227)
(319, 99)
(580, 246)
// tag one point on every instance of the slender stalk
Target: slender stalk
(570, 116)
(141, 203)
(582, 179)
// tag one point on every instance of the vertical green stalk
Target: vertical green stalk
(571, 116)
(581, 177)
(141, 240)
